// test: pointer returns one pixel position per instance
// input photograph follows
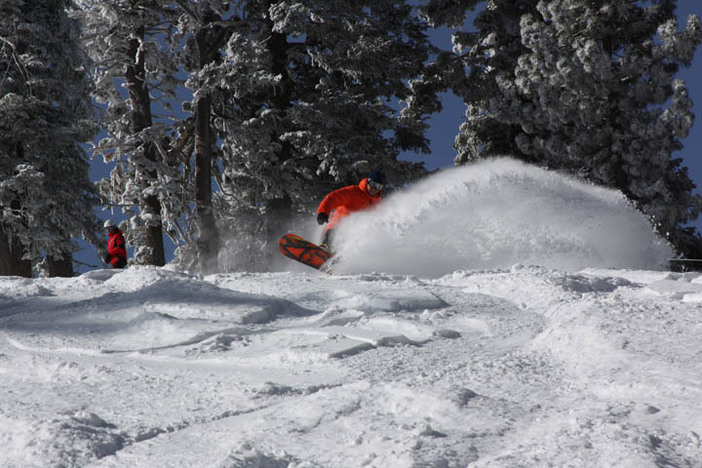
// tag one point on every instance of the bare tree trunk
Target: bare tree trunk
(11, 249)
(208, 243)
(141, 119)
(6, 267)
(22, 267)
(280, 210)
(11, 253)
(60, 267)
(208, 41)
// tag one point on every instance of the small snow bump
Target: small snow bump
(446, 333)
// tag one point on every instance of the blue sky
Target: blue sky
(692, 153)
(444, 127)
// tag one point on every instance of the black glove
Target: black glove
(106, 259)
(322, 218)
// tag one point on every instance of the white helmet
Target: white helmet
(109, 224)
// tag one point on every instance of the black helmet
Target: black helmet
(377, 176)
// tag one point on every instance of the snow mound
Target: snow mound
(391, 301)
(496, 214)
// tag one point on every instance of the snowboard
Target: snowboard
(304, 251)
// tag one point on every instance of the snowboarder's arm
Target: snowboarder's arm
(333, 201)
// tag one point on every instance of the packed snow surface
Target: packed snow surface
(496, 214)
(525, 366)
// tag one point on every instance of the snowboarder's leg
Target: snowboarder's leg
(327, 239)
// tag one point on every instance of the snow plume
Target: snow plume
(496, 214)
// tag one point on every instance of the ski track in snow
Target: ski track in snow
(520, 367)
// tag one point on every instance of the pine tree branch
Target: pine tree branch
(77, 262)
(184, 5)
(19, 64)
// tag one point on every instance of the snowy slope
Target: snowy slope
(519, 367)
(587, 358)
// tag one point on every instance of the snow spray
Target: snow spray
(495, 214)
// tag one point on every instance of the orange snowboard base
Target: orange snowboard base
(303, 251)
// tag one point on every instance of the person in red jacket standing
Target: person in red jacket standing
(344, 201)
(116, 250)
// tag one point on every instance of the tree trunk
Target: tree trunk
(208, 43)
(11, 253)
(60, 267)
(280, 210)
(208, 243)
(6, 267)
(141, 119)
(22, 267)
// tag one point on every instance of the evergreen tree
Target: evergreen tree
(612, 107)
(480, 59)
(201, 34)
(46, 197)
(306, 105)
(587, 87)
(135, 76)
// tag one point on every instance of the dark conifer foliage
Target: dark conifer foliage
(586, 87)
(46, 197)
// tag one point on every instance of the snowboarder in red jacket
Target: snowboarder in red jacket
(344, 201)
(116, 250)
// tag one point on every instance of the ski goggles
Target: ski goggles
(375, 185)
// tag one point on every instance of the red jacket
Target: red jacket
(344, 201)
(116, 247)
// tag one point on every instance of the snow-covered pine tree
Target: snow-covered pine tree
(481, 57)
(309, 90)
(589, 87)
(46, 197)
(135, 82)
(606, 102)
(201, 33)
